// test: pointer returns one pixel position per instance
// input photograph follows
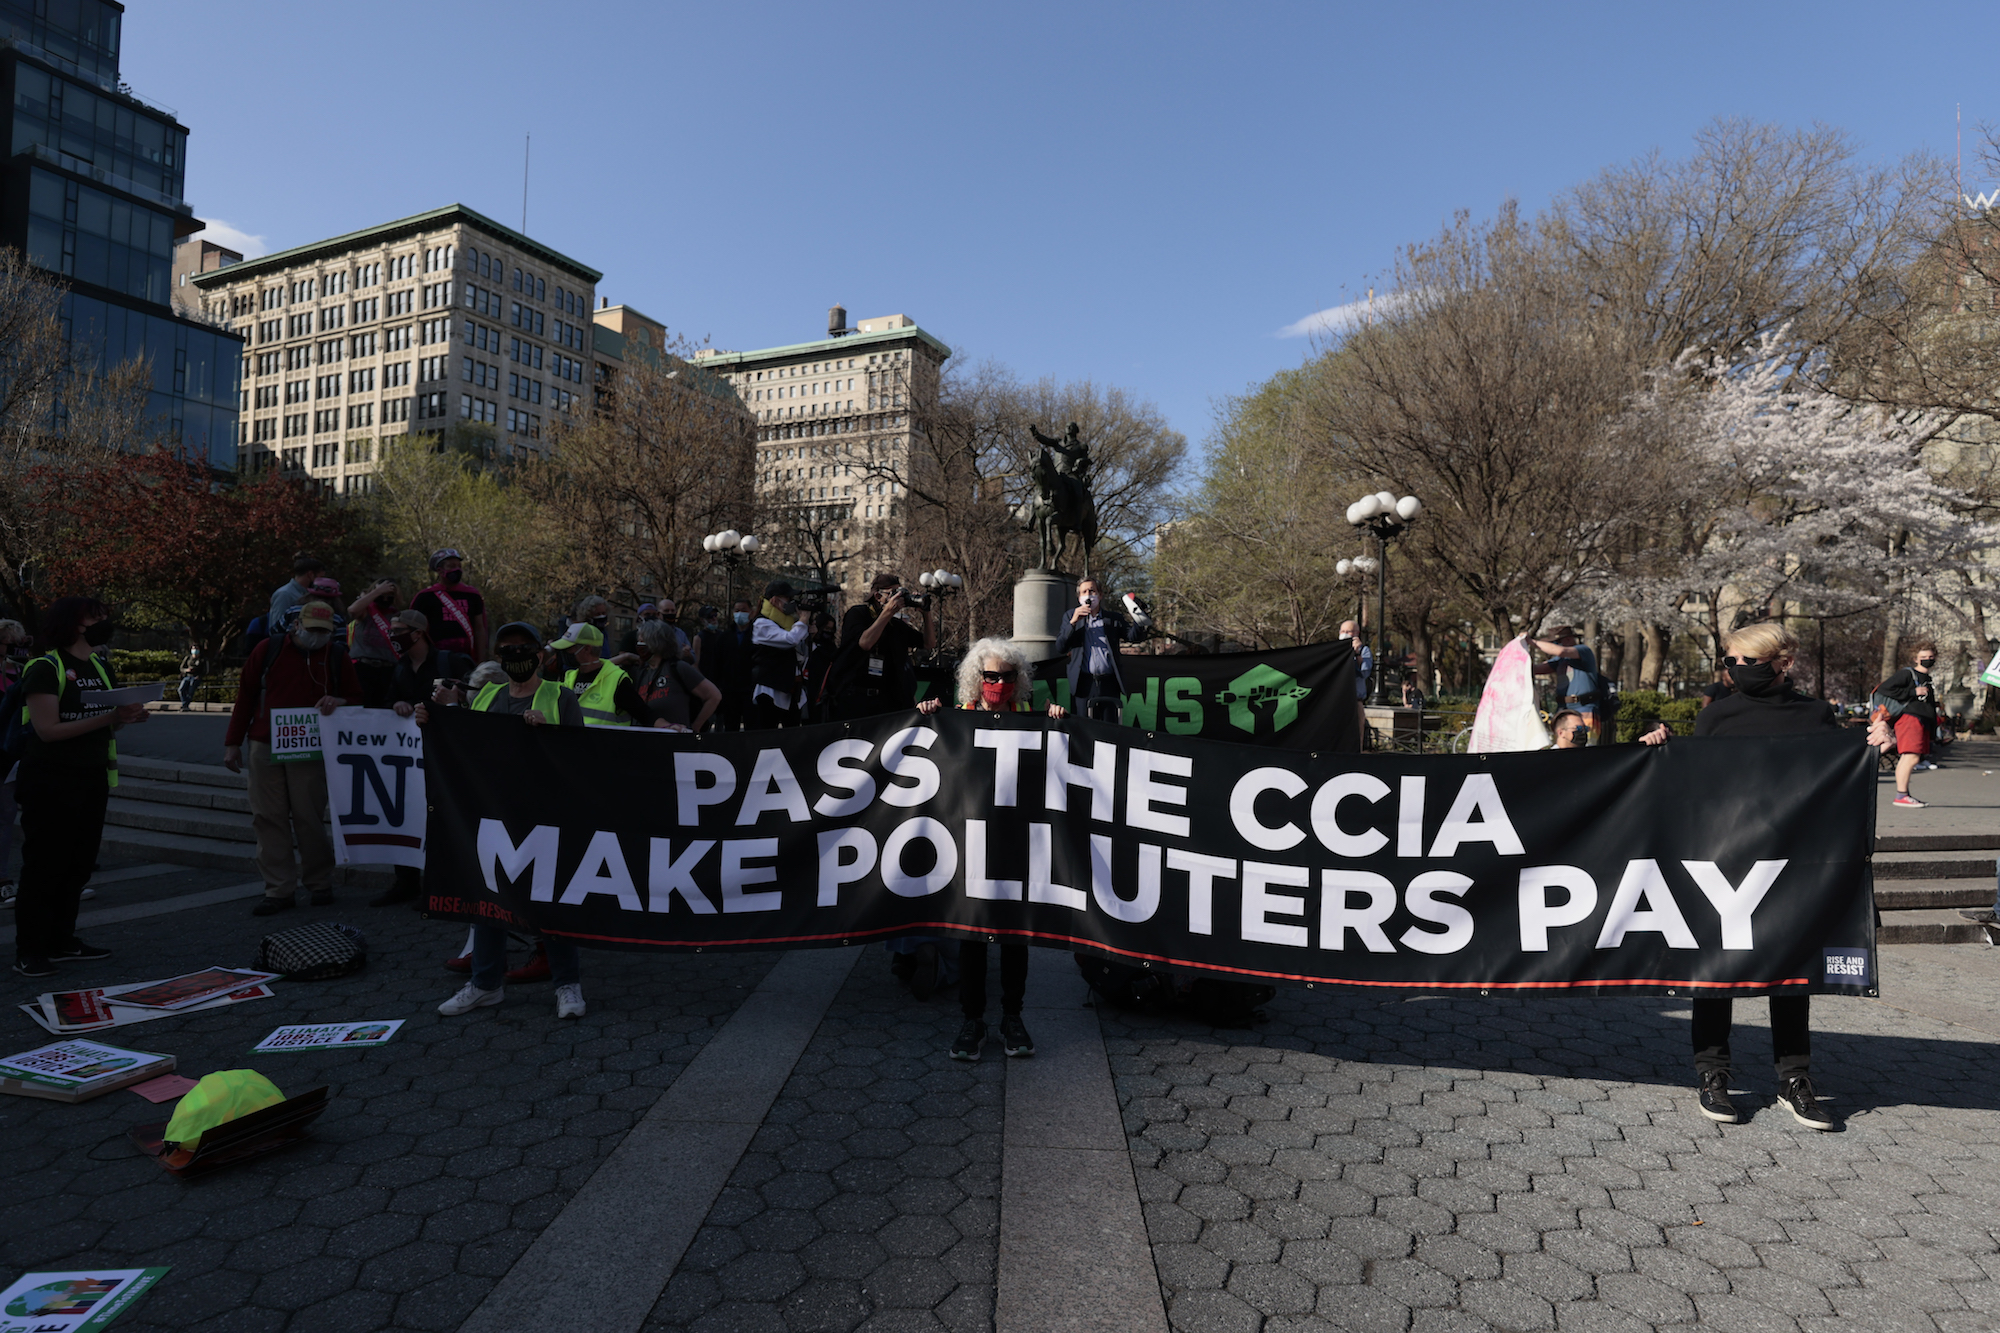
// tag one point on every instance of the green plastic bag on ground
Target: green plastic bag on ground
(218, 1099)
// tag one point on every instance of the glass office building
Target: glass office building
(91, 189)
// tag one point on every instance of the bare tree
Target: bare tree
(636, 486)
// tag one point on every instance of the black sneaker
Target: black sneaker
(34, 967)
(1715, 1103)
(1014, 1038)
(272, 906)
(79, 952)
(1797, 1093)
(924, 971)
(970, 1038)
(322, 897)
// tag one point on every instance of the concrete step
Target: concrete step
(218, 825)
(219, 854)
(1929, 927)
(172, 770)
(1937, 842)
(1903, 894)
(1930, 865)
(193, 794)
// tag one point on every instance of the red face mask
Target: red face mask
(996, 696)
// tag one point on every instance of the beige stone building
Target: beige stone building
(824, 410)
(413, 325)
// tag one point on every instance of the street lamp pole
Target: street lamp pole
(732, 548)
(1387, 517)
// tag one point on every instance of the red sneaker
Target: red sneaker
(463, 963)
(535, 969)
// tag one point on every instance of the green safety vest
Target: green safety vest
(548, 699)
(596, 701)
(55, 660)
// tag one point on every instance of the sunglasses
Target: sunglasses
(1748, 661)
(996, 677)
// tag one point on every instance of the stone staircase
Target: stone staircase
(1924, 883)
(194, 815)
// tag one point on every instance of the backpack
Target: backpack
(319, 951)
(1886, 706)
(1211, 1000)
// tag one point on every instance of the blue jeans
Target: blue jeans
(489, 957)
(189, 684)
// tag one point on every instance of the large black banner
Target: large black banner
(1294, 698)
(1699, 867)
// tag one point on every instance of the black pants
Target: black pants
(376, 677)
(1791, 1035)
(766, 715)
(62, 821)
(853, 705)
(972, 978)
(1098, 699)
(732, 713)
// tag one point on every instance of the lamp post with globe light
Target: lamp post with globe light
(1387, 517)
(732, 548)
(941, 583)
(1360, 568)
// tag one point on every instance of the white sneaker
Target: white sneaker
(470, 997)
(569, 1001)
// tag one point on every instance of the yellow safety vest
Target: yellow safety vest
(548, 699)
(596, 701)
(55, 660)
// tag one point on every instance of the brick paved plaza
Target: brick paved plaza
(1344, 1164)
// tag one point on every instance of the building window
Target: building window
(397, 339)
(361, 381)
(395, 409)
(362, 344)
(396, 375)
(360, 416)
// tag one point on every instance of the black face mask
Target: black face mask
(1754, 679)
(99, 634)
(518, 670)
(387, 603)
(600, 621)
(452, 576)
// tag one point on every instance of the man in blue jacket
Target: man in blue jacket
(1091, 639)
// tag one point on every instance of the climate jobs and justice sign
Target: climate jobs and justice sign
(1700, 867)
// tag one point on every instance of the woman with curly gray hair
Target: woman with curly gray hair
(995, 677)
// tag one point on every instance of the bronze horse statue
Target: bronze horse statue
(1063, 504)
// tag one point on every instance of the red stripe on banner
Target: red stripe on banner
(382, 840)
(921, 927)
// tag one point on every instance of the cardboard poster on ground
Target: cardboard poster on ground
(327, 1036)
(192, 988)
(295, 735)
(75, 1071)
(66, 1013)
(78, 1302)
(375, 787)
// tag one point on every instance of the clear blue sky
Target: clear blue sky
(1142, 194)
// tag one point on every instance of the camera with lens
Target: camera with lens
(917, 599)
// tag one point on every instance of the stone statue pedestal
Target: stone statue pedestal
(1042, 598)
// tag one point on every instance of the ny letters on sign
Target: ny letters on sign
(1734, 867)
(375, 786)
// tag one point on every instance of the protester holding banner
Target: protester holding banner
(604, 692)
(419, 669)
(306, 668)
(1091, 638)
(68, 768)
(537, 702)
(777, 661)
(455, 608)
(1573, 667)
(870, 674)
(994, 677)
(677, 694)
(1758, 658)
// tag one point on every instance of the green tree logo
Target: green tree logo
(1262, 684)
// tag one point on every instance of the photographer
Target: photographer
(1091, 639)
(872, 673)
(371, 641)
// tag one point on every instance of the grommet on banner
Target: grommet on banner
(1486, 992)
(1670, 993)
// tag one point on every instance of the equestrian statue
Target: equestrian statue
(1063, 504)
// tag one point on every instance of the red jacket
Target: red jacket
(297, 681)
